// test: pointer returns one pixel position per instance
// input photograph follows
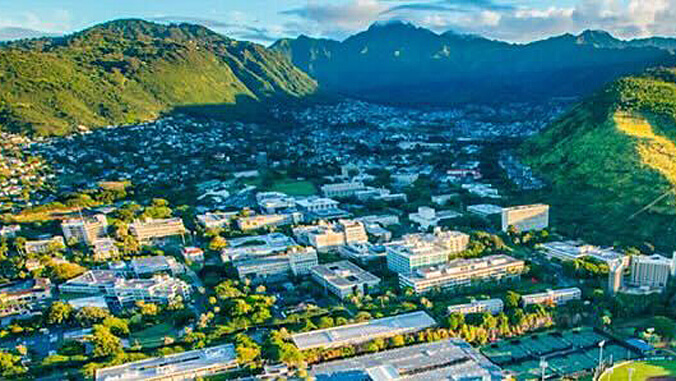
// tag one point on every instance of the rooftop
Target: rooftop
(344, 274)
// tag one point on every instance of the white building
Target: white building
(363, 252)
(216, 220)
(193, 254)
(651, 272)
(427, 217)
(326, 236)
(271, 202)
(526, 217)
(297, 261)
(340, 190)
(484, 210)
(256, 246)
(553, 297)
(43, 246)
(572, 250)
(418, 250)
(154, 229)
(85, 230)
(492, 306)
(105, 248)
(344, 278)
(269, 220)
(157, 264)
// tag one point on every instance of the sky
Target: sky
(264, 21)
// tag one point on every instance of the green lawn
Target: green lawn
(153, 336)
(294, 188)
(643, 371)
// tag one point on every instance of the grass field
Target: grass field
(294, 188)
(153, 336)
(643, 371)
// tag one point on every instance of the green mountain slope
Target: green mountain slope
(611, 162)
(128, 71)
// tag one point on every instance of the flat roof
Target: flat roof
(168, 365)
(450, 359)
(337, 336)
(344, 274)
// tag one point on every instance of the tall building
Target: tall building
(150, 230)
(615, 274)
(419, 250)
(85, 230)
(526, 217)
(650, 271)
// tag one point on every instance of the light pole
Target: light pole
(631, 372)
(543, 367)
(601, 344)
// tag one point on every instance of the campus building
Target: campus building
(339, 190)
(419, 250)
(156, 264)
(450, 359)
(427, 217)
(271, 202)
(553, 297)
(188, 365)
(484, 210)
(460, 273)
(320, 208)
(104, 248)
(216, 220)
(193, 254)
(153, 229)
(344, 278)
(43, 246)
(327, 236)
(256, 246)
(24, 296)
(160, 288)
(297, 261)
(363, 252)
(526, 217)
(269, 221)
(572, 250)
(358, 333)
(492, 306)
(651, 272)
(85, 230)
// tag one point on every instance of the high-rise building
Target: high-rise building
(650, 271)
(86, 229)
(526, 217)
(419, 250)
(615, 274)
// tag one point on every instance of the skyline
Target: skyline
(264, 21)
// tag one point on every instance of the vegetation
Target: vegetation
(642, 371)
(129, 71)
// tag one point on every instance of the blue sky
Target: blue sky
(266, 20)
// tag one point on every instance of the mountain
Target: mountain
(611, 162)
(127, 71)
(14, 33)
(399, 62)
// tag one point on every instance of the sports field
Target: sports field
(643, 371)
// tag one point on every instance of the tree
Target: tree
(10, 365)
(117, 326)
(105, 343)
(512, 300)
(88, 316)
(218, 243)
(59, 313)
(64, 271)
(325, 322)
(148, 309)
(247, 349)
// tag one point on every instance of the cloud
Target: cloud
(347, 17)
(48, 22)
(236, 28)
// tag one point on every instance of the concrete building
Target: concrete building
(85, 230)
(358, 333)
(272, 202)
(526, 217)
(146, 232)
(154, 265)
(344, 279)
(572, 250)
(327, 236)
(269, 221)
(193, 254)
(105, 248)
(492, 306)
(159, 289)
(339, 190)
(297, 261)
(553, 297)
(418, 250)
(25, 296)
(43, 246)
(651, 272)
(363, 252)
(188, 365)
(9, 231)
(460, 273)
(382, 220)
(484, 210)
(615, 277)
(256, 246)
(318, 208)
(216, 220)
(445, 360)
(427, 217)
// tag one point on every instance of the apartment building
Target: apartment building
(460, 273)
(85, 230)
(297, 261)
(24, 296)
(344, 278)
(526, 217)
(652, 271)
(419, 250)
(154, 229)
(43, 246)
(492, 306)
(552, 297)
(158, 289)
(269, 220)
(190, 365)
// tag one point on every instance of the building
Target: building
(9, 231)
(85, 230)
(484, 210)
(268, 221)
(572, 250)
(344, 278)
(427, 217)
(341, 190)
(157, 264)
(327, 236)
(105, 248)
(615, 277)
(272, 202)
(383, 220)
(318, 208)
(450, 359)
(552, 297)
(188, 365)
(460, 273)
(151, 230)
(444, 199)
(358, 333)
(160, 288)
(256, 246)
(25, 296)
(297, 261)
(44, 246)
(193, 254)
(363, 252)
(492, 306)
(651, 272)
(216, 220)
(418, 250)
(526, 217)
